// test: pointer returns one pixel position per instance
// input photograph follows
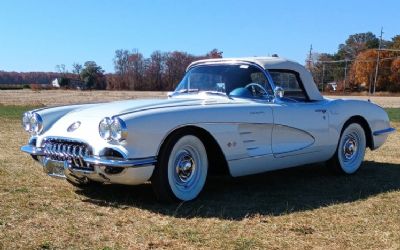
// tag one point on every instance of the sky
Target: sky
(38, 35)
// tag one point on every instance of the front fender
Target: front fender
(147, 130)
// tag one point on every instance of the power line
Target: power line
(393, 50)
(359, 60)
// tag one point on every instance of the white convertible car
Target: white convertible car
(236, 116)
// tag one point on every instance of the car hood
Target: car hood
(110, 109)
(90, 115)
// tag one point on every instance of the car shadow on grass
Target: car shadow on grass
(273, 193)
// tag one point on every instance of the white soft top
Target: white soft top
(274, 63)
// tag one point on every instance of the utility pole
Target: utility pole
(377, 61)
(345, 76)
(309, 59)
(323, 76)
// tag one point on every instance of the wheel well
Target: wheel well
(216, 159)
(364, 124)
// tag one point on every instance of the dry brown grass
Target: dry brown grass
(307, 207)
(383, 101)
(28, 97)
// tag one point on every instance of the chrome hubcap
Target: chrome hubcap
(350, 147)
(185, 167)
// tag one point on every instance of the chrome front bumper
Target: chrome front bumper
(96, 160)
(61, 169)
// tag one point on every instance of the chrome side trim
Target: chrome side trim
(384, 131)
(32, 150)
(120, 162)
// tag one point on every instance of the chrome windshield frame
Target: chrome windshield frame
(237, 62)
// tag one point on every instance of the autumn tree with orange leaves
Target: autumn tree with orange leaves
(363, 69)
(395, 76)
(358, 58)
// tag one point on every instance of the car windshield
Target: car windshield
(237, 80)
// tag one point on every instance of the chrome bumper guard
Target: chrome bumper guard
(384, 131)
(54, 168)
(32, 150)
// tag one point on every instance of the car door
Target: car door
(300, 126)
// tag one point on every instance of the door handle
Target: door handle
(323, 111)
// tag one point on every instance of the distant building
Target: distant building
(332, 86)
(71, 83)
(55, 83)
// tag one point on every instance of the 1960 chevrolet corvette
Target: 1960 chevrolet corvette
(236, 116)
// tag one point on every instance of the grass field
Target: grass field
(306, 207)
(28, 97)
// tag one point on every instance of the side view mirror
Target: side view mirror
(278, 92)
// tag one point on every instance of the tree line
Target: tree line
(353, 65)
(161, 71)
(25, 78)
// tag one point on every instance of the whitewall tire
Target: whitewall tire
(350, 151)
(182, 169)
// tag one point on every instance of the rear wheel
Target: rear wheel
(182, 168)
(350, 151)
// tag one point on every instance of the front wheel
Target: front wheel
(350, 151)
(182, 168)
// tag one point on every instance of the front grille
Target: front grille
(69, 151)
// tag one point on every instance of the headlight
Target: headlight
(113, 129)
(32, 123)
(26, 118)
(105, 128)
(119, 131)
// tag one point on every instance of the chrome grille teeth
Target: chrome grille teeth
(80, 156)
(70, 151)
(74, 153)
(53, 149)
(75, 150)
(87, 152)
(59, 153)
(64, 150)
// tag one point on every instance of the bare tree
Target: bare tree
(77, 68)
(60, 68)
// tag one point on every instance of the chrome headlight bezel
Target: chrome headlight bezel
(32, 123)
(113, 129)
(105, 129)
(119, 131)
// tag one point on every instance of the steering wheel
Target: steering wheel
(256, 89)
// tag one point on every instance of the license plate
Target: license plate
(54, 168)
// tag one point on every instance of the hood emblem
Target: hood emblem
(74, 126)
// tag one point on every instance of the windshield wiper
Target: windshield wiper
(187, 91)
(217, 93)
(212, 92)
